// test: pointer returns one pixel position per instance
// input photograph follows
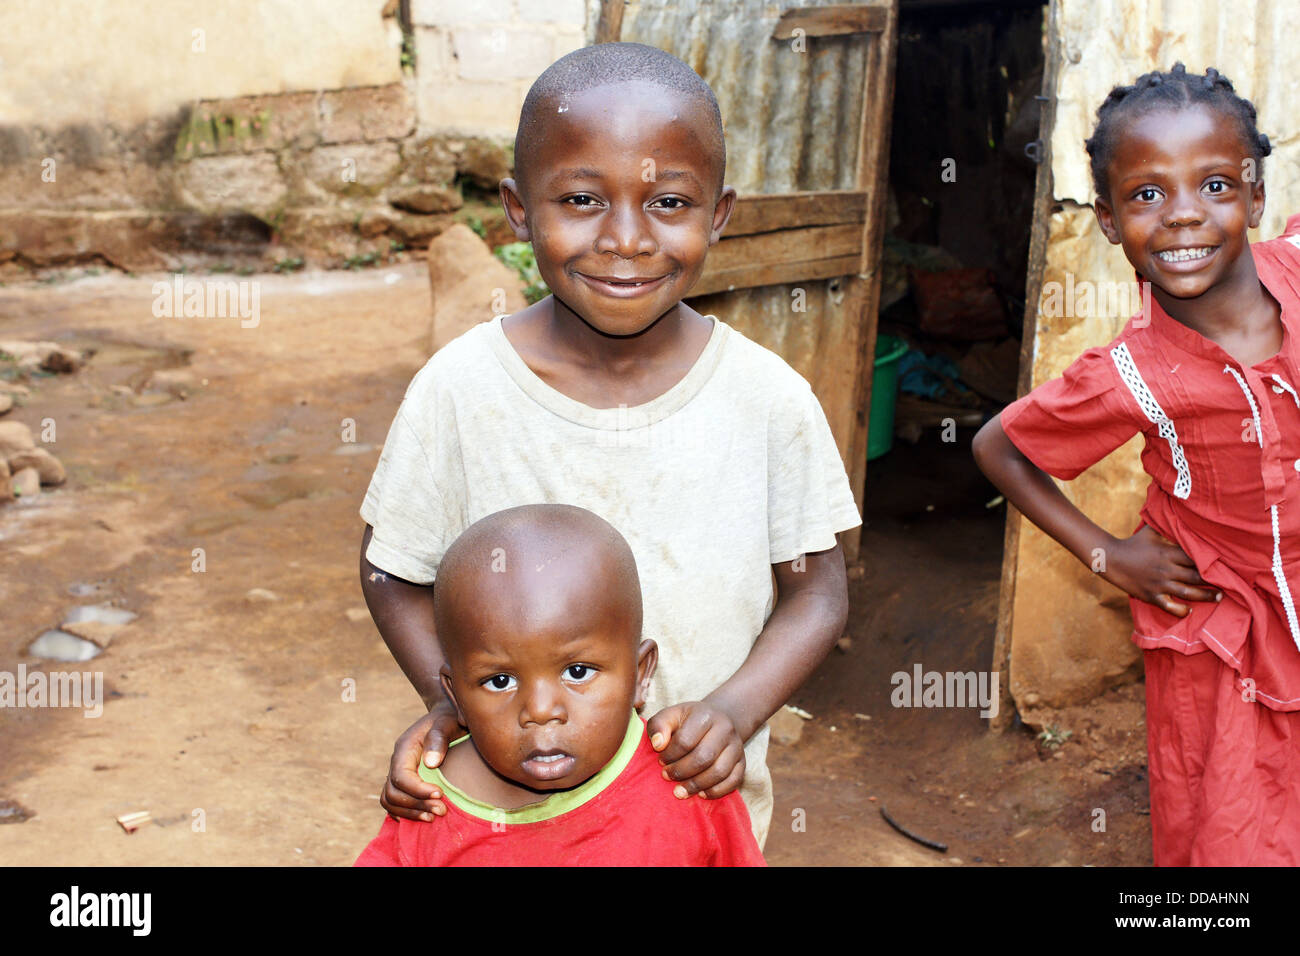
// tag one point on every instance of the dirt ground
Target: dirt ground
(275, 718)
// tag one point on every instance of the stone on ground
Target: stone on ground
(49, 468)
(469, 284)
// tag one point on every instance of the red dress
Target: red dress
(1223, 452)
(634, 820)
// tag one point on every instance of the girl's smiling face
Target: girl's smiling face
(623, 188)
(1183, 189)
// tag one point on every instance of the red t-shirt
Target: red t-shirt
(1223, 452)
(633, 820)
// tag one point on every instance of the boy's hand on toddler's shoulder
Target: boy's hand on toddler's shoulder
(699, 747)
(1152, 568)
(404, 793)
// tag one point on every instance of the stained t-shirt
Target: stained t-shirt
(1222, 447)
(626, 815)
(730, 471)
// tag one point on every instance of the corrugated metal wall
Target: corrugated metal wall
(791, 123)
(1070, 629)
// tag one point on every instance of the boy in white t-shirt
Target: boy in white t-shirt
(706, 451)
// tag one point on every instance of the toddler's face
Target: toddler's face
(621, 190)
(547, 697)
(1182, 195)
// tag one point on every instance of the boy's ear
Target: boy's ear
(1106, 219)
(647, 659)
(722, 213)
(444, 675)
(513, 204)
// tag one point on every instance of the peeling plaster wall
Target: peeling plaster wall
(65, 62)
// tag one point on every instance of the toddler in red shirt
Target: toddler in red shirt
(538, 612)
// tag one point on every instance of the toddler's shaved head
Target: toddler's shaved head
(537, 564)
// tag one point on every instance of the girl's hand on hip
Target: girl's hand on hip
(1153, 569)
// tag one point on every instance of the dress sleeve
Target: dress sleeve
(808, 495)
(734, 837)
(415, 501)
(1278, 263)
(1070, 423)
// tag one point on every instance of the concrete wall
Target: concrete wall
(122, 62)
(257, 131)
(476, 60)
(1070, 629)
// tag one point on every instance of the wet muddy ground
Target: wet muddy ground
(256, 727)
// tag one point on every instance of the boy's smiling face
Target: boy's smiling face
(622, 187)
(1180, 199)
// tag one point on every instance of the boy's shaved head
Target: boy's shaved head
(607, 64)
(544, 564)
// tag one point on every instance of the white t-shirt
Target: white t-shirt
(730, 471)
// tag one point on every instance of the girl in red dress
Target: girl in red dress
(1209, 374)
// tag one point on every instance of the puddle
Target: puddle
(218, 521)
(276, 491)
(14, 812)
(61, 646)
(103, 352)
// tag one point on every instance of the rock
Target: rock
(47, 466)
(484, 162)
(6, 402)
(375, 222)
(14, 390)
(61, 360)
(357, 614)
(787, 727)
(257, 595)
(251, 183)
(468, 283)
(425, 198)
(844, 644)
(97, 632)
(430, 159)
(177, 382)
(27, 483)
(6, 484)
(45, 355)
(418, 230)
(15, 437)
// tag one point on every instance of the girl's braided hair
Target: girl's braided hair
(1178, 89)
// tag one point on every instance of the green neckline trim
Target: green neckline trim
(549, 807)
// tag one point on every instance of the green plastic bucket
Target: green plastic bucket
(884, 394)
